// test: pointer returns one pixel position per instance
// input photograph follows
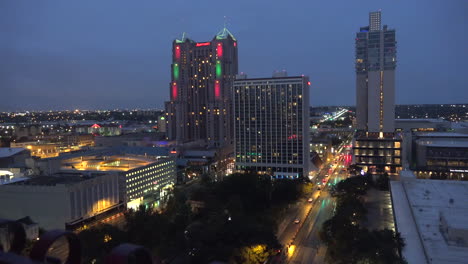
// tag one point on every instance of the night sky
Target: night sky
(106, 54)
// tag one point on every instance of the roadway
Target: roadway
(302, 239)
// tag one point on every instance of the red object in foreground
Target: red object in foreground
(122, 254)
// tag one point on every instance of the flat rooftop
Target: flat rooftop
(106, 163)
(8, 152)
(444, 142)
(418, 205)
(442, 134)
(58, 178)
(421, 120)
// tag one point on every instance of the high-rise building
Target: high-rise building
(201, 88)
(377, 148)
(375, 76)
(271, 125)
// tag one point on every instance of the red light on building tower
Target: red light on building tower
(177, 52)
(235, 44)
(203, 44)
(174, 90)
(308, 83)
(219, 50)
(217, 89)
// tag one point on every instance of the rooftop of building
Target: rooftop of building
(387, 136)
(421, 120)
(407, 174)
(13, 180)
(222, 34)
(8, 152)
(444, 142)
(107, 162)
(199, 153)
(442, 134)
(418, 205)
(118, 150)
(58, 178)
(456, 218)
(271, 78)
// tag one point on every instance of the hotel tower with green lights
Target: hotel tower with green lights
(200, 107)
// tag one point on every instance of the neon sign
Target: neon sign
(203, 44)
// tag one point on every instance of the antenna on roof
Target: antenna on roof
(225, 21)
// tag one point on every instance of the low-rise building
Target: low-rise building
(440, 155)
(13, 157)
(409, 127)
(139, 176)
(60, 200)
(322, 146)
(378, 153)
(432, 217)
(99, 129)
(39, 149)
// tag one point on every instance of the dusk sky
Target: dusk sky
(105, 54)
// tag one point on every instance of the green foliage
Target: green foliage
(235, 219)
(253, 254)
(349, 243)
(99, 241)
(237, 223)
(307, 189)
(286, 191)
(353, 186)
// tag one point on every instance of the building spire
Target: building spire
(182, 39)
(224, 33)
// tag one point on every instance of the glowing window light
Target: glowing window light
(218, 69)
(177, 52)
(217, 89)
(203, 44)
(176, 71)
(174, 90)
(219, 50)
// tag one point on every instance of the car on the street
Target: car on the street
(310, 200)
(297, 221)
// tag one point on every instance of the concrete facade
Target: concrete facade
(54, 201)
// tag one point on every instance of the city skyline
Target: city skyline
(56, 60)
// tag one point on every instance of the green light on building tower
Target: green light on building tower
(218, 69)
(176, 71)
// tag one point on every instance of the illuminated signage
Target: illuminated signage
(203, 44)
